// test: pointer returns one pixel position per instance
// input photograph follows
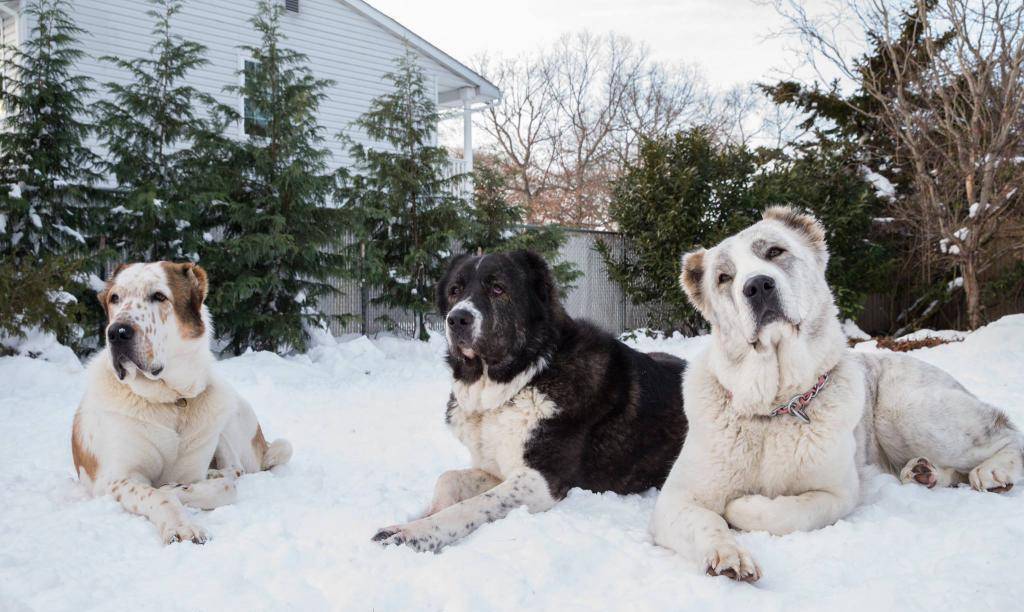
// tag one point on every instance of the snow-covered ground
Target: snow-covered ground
(365, 418)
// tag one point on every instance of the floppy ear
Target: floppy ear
(692, 278)
(105, 292)
(805, 224)
(540, 276)
(441, 292)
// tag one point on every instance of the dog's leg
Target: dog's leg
(455, 486)
(683, 525)
(524, 487)
(162, 508)
(920, 470)
(207, 494)
(998, 472)
(789, 513)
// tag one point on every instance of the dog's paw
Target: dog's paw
(412, 535)
(232, 473)
(994, 480)
(920, 471)
(184, 532)
(733, 562)
(748, 513)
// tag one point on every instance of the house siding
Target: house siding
(342, 45)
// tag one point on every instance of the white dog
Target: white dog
(157, 428)
(783, 416)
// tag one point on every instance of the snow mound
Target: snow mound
(366, 418)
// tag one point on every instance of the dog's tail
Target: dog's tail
(278, 453)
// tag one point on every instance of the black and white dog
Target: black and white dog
(544, 403)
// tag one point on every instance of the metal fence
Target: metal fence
(594, 296)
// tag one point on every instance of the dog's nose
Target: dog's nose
(460, 319)
(120, 333)
(759, 287)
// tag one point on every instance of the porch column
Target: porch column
(467, 127)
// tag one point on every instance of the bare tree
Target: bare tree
(522, 124)
(572, 114)
(950, 96)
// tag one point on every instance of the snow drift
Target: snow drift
(366, 419)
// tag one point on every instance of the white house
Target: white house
(347, 41)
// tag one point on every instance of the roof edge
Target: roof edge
(486, 90)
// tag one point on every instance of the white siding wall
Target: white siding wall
(8, 37)
(342, 45)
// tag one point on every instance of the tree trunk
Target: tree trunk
(972, 291)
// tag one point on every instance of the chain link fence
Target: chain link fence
(594, 296)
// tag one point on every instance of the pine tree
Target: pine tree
(275, 256)
(46, 173)
(497, 225)
(683, 191)
(147, 126)
(401, 199)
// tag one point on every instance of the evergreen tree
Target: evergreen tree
(688, 190)
(46, 173)
(147, 126)
(273, 257)
(497, 225)
(683, 191)
(401, 198)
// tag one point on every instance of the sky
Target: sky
(731, 40)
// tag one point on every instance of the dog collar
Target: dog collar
(798, 404)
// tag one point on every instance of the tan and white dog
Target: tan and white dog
(783, 415)
(157, 428)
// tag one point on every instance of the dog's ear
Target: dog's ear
(692, 277)
(198, 282)
(104, 294)
(805, 224)
(441, 293)
(189, 284)
(541, 278)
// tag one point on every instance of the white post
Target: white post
(467, 128)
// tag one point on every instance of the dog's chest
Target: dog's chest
(783, 455)
(497, 437)
(187, 439)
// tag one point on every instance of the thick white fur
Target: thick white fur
(741, 467)
(150, 440)
(498, 482)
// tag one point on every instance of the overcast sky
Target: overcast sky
(729, 39)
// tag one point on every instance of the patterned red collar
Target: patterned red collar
(798, 404)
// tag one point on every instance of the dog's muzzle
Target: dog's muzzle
(763, 299)
(461, 326)
(120, 339)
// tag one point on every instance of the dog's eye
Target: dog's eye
(114, 298)
(454, 290)
(774, 252)
(497, 290)
(159, 297)
(723, 278)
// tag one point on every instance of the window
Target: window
(254, 123)
(292, 5)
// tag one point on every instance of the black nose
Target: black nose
(120, 333)
(759, 287)
(460, 319)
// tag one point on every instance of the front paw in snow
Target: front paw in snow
(184, 532)
(730, 560)
(748, 513)
(418, 535)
